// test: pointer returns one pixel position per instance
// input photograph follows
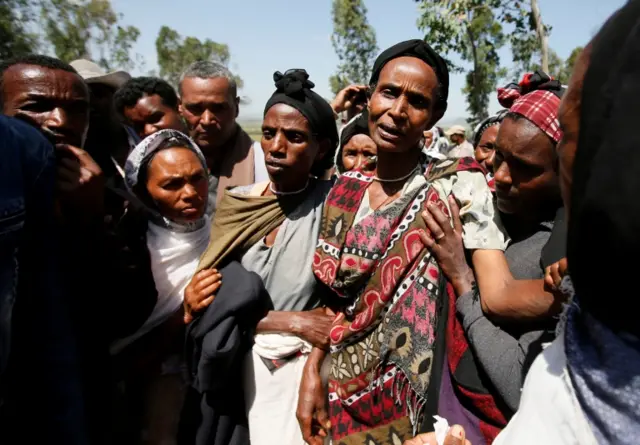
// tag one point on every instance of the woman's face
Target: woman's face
(177, 183)
(359, 153)
(402, 105)
(526, 182)
(290, 148)
(486, 147)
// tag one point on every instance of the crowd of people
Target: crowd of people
(357, 277)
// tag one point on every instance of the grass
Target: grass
(254, 130)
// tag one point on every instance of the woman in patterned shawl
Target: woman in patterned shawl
(387, 340)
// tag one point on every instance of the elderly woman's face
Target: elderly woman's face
(177, 183)
(485, 150)
(402, 104)
(290, 149)
(359, 153)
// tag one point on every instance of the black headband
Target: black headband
(421, 50)
(293, 88)
(360, 125)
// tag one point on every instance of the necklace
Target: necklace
(277, 193)
(376, 178)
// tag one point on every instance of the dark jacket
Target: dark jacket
(41, 378)
(216, 346)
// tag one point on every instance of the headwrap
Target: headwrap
(606, 183)
(536, 97)
(488, 122)
(421, 50)
(136, 172)
(357, 125)
(602, 340)
(293, 88)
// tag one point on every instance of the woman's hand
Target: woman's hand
(200, 292)
(313, 326)
(455, 436)
(554, 274)
(445, 242)
(312, 401)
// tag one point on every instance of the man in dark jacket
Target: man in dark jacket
(39, 374)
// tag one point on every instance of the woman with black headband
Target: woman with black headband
(387, 341)
(272, 228)
(484, 143)
(357, 150)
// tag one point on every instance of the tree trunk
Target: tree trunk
(542, 35)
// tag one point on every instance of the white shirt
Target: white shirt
(549, 411)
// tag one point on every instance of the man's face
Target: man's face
(210, 109)
(150, 115)
(54, 101)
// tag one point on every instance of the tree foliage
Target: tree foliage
(354, 42)
(88, 29)
(470, 29)
(176, 53)
(528, 38)
(15, 37)
(558, 68)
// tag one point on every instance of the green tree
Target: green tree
(470, 29)
(15, 39)
(176, 53)
(88, 29)
(529, 37)
(354, 42)
(558, 68)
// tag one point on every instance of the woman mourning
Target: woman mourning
(167, 176)
(387, 340)
(272, 229)
(502, 322)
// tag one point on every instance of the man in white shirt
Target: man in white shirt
(461, 147)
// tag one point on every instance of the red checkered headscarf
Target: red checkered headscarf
(536, 97)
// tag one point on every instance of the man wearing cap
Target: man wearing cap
(461, 147)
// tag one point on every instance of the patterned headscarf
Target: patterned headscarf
(135, 173)
(487, 123)
(536, 97)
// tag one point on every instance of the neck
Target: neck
(215, 156)
(396, 165)
(293, 187)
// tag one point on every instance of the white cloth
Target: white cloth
(174, 258)
(277, 346)
(549, 411)
(271, 401)
(260, 168)
(271, 398)
(464, 150)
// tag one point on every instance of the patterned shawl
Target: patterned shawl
(382, 342)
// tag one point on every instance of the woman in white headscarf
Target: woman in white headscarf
(168, 179)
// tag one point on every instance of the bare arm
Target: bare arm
(505, 298)
(313, 326)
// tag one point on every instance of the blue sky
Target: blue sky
(269, 35)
